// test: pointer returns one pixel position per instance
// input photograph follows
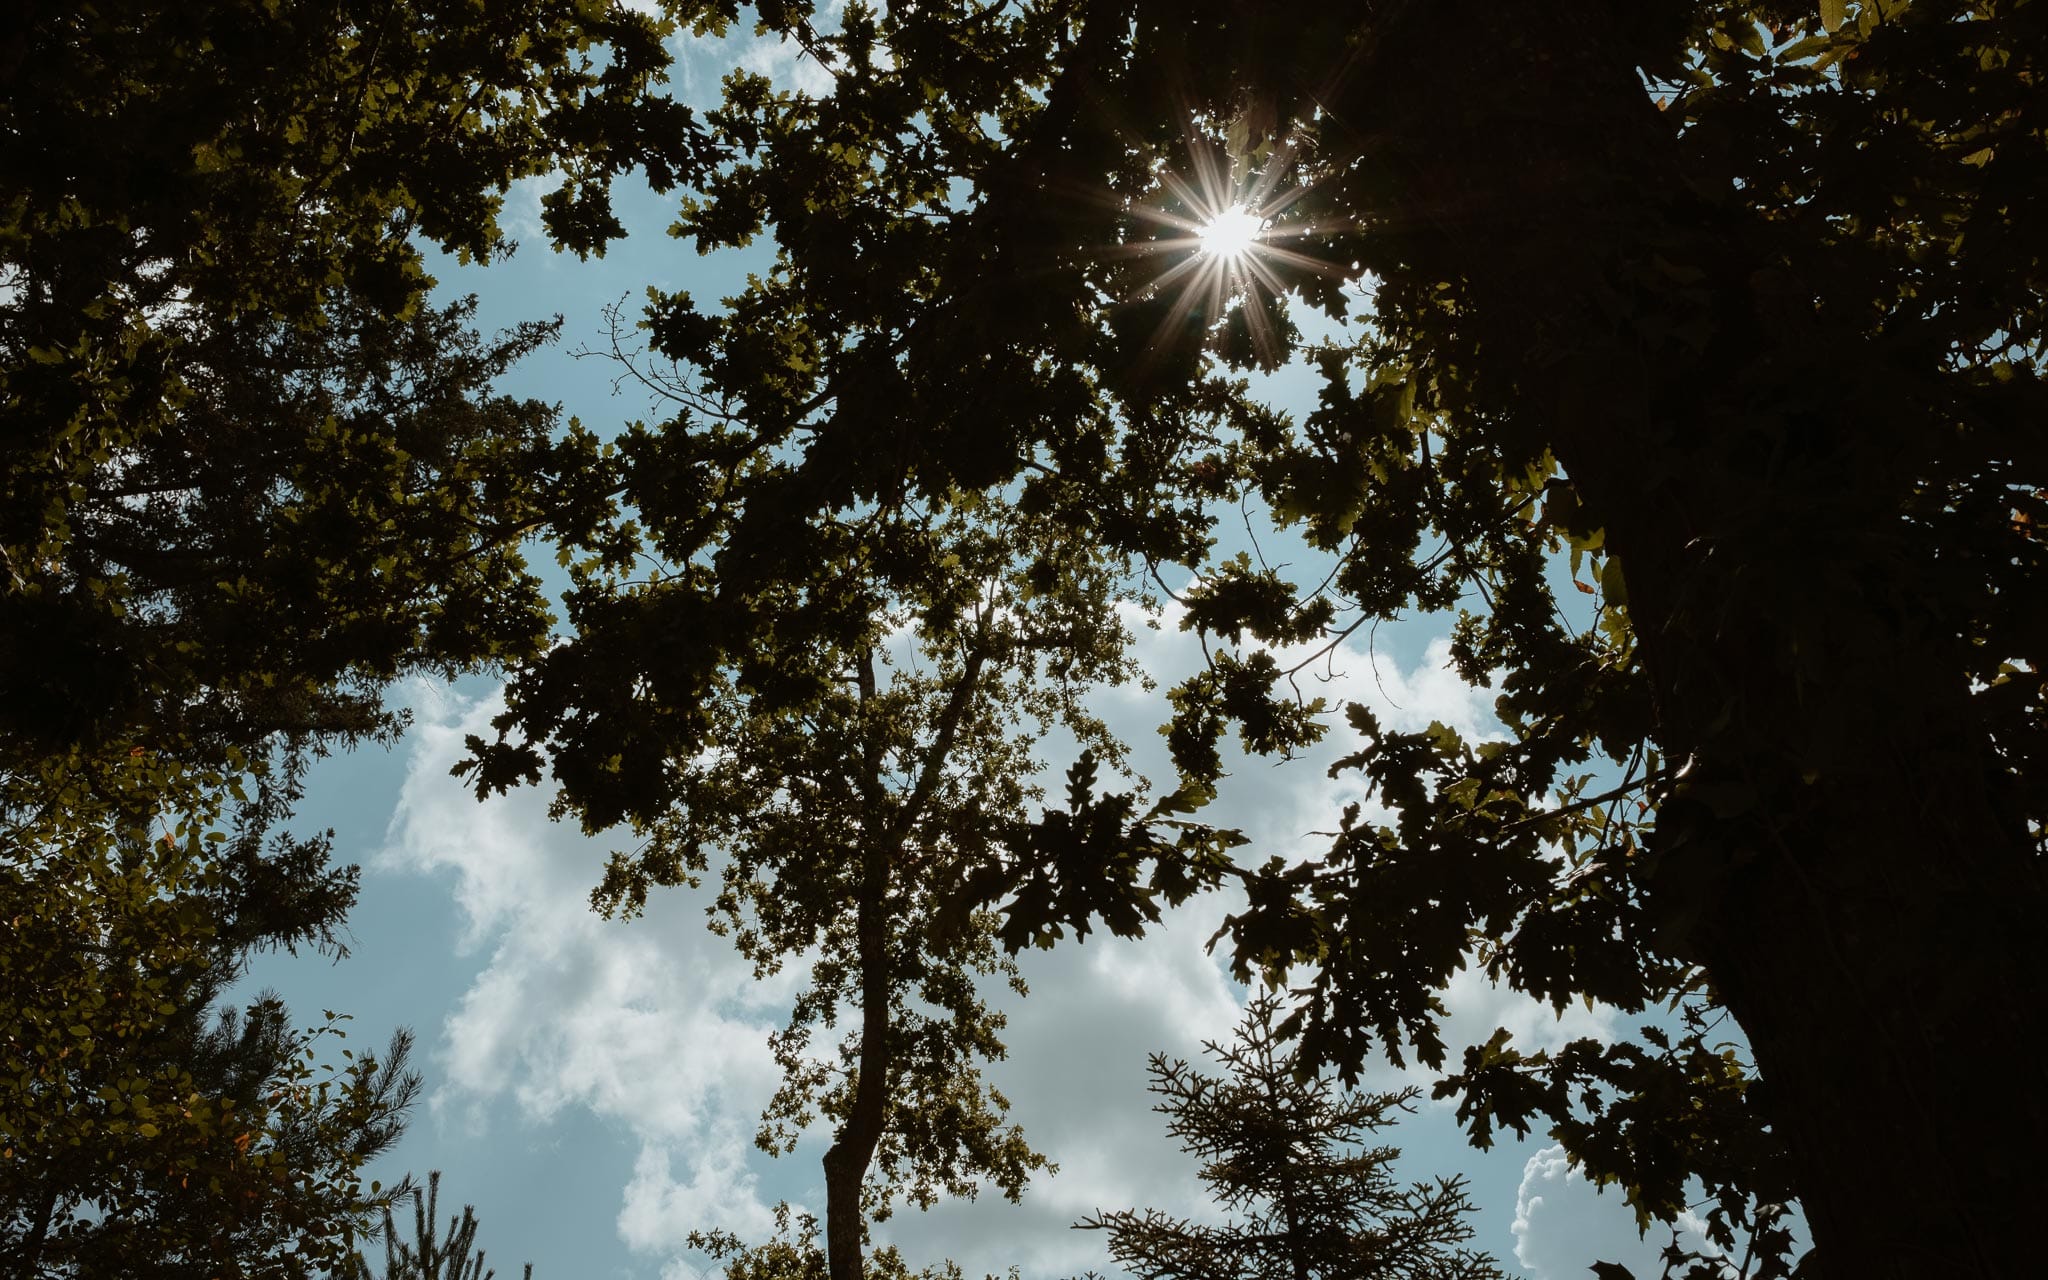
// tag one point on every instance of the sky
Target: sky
(593, 1086)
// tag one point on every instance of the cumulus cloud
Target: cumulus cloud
(1563, 1223)
(788, 64)
(701, 62)
(653, 1026)
(1076, 1081)
(720, 1191)
(1079, 1043)
(520, 216)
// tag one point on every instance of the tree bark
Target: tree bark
(887, 830)
(30, 1256)
(1836, 857)
(846, 1163)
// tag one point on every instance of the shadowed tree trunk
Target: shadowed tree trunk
(888, 824)
(846, 1163)
(1836, 856)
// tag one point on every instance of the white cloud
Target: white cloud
(520, 215)
(1563, 1224)
(1284, 806)
(1076, 1081)
(654, 1026)
(1079, 1044)
(721, 1192)
(701, 62)
(788, 65)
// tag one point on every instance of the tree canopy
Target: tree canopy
(144, 1129)
(1723, 319)
(849, 753)
(249, 476)
(431, 1254)
(1692, 362)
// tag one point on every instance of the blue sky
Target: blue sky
(592, 1086)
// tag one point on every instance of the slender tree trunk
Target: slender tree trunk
(887, 829)
(846, 1163)
(1837, 857)
(1290, 1211)
(31, 1255)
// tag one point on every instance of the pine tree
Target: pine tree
(146, 1125)
(1288, 1156)
(249, 477)
(448, 1258)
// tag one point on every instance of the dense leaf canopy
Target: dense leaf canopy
(142, 1129)
(1692, 359)
(1725, 319)
(248, 476)
(852, 753)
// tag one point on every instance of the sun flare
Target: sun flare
(1231, 233)
(1230, 239)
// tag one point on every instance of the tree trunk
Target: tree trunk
(30, 1256)
(846, 1163)
(1836, 856)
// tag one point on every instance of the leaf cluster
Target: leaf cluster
(249, 475)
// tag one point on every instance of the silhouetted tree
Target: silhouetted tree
(144, 1129)
(1287, 1154)
(845, 753)
(249, 476)
(426, 1257)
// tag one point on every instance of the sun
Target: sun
(1230, 239)
(1231, 233)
